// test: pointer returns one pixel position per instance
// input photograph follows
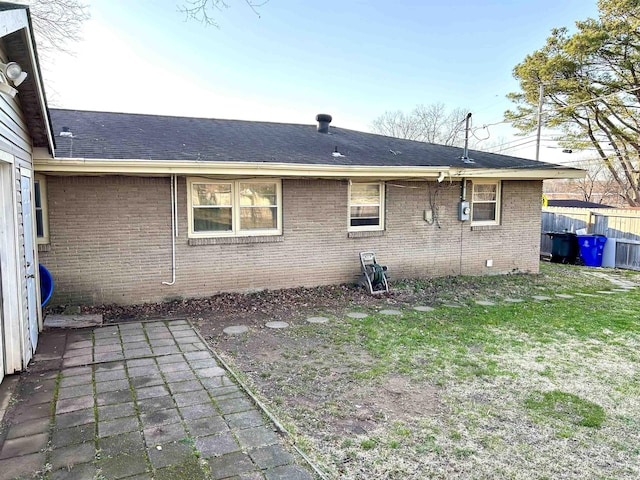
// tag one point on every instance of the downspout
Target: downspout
(174, 229)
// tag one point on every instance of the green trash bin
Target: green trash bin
(564, 247)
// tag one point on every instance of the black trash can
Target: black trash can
(564, 247)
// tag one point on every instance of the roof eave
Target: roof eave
(81, 166)
(14, 19)
(551, 172)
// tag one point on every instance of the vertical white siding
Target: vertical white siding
(16, 142)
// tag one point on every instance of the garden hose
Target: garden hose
(378, 274)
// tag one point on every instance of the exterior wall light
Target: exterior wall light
(11, 72)
(14, 72)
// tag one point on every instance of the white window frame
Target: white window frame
(498, 201)
(380, 204)
(235, 208)
(41, 181)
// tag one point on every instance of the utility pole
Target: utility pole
(540, 100)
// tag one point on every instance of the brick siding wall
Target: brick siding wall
(111, 239)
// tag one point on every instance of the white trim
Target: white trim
(13, 20)
(10, 272)
(40, 90)
(6, 157)
(235, 207)
(81, 166)
(41, 180)
(381, 208)
(498, 201)
(30, 347)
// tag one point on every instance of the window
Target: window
(234, 208)
(366, 206)
(485, 204)
(42, 217)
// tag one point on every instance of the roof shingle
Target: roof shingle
(107, 135)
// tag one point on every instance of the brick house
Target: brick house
(144, 208)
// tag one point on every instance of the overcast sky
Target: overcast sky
(353, 59)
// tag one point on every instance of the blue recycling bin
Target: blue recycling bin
(46, 285)
(591, 248)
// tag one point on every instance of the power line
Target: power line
(570, 105)
(519, 139)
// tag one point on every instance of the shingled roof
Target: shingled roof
(571, 203)
(125, 136)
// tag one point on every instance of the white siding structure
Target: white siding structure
(23, 127)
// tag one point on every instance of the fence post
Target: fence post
(600, 223)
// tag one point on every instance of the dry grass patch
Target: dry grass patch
(517, 391)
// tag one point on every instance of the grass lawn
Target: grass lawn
(529, 390)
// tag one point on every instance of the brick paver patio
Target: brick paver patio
(144, 400)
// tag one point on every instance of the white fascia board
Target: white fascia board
(520, 173)
(40, 89)
(164, 167)
(80, 166)
(12, 21)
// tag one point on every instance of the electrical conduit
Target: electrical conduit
(174, 228)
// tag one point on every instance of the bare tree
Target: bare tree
(396, 123)
(57, 23)
(598, 185)
(425, 123)
(205, 11)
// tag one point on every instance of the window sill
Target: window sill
(481, 228)
(235, 240)
(366, 234)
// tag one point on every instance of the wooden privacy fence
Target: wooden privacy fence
(621, 225)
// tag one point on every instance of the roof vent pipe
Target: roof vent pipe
(66, 132)
(323, 122)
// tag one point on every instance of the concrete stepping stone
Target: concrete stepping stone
(276, 325)
(513, 300)
(585, 294)
(620, 290)
(357, 315)
(73, 321)
(485, 303)
(423, 309)
(317, 319)
(564, 295)
(606, 292)
(541, 298)
(236, 330)
(390, 312)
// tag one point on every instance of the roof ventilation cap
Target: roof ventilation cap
(323, 122)
(66, 132)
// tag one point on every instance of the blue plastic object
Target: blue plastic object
(46, 284)
(591, 248)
